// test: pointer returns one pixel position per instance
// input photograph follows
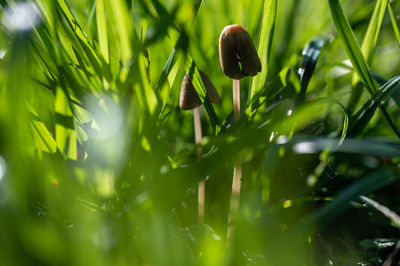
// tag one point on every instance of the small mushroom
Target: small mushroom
(238, 58)
(189, 99)
(237, 55)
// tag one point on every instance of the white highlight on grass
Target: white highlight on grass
(3, 53)
(21, 17)
(107, 116)
(305, 147)
(2, 168)
(282, 140)
(339, 71)
(271, 138)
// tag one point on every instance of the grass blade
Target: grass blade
(310, 58)
(371, 37)
(383, 209)
(102, 30)
(394, 24)
(355, 55)
(198, 84)
(65, 130)
(268, 19)
(351, 45)
(367, 111)
(368, 46)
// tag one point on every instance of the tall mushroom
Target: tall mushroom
(189, 99)
(238, 58)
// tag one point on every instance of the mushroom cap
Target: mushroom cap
(237, 54)
(189, 99)
(212, 92)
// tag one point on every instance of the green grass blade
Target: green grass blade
(310, 58)
(42, 137)
(374, 27)
(355, 55)
(368, 47)
(394, 24)
(268, 19)
(194, 75)
(181, 43)
(65, 130)
(351, 45)
(367, 111)
(102, 30)
(365, 185)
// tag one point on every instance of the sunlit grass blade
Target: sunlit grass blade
(395, 26)
(267, 27)
(181, 44)
(124, 28)
(368, 47)
(65, 129)
(42, 137)
(370, 40)
(310, 58)
(355, 55)
(102, 30)
(360, 120)
(146, 95)
(351, 45)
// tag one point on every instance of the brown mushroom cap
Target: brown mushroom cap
(212, 92)
(189, 99)
(237, 55)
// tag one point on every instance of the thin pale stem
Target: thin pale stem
(236, 99)
(237, 171)
(198, 136)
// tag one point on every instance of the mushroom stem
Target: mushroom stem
(237, 170)
(201, 190)
(236, 99)
(197, 127)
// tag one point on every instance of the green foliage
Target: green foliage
(98, 165)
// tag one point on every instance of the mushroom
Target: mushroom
(189, 99)
(238, 58)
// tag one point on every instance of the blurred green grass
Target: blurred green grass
(98, 164)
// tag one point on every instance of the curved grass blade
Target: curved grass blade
(368, 47)
(355, 55)
(307, 113)
(360, 120)
(342, 201)
(394, 24)
(351, 45)
(267, 27)
(383, 209)
(310, 58)
(365, 185)
(310, 145)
